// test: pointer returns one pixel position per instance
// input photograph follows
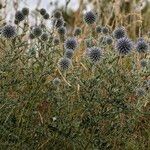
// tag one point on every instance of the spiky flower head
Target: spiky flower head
(64, 63)
(77, 31)
(89, 17)
(70, 43)
(25, 11)
(57, 14)
(37, 31)
(69, 53)
(119, 32)
(144, 62)
(109, 40)
(44, 37)
(62, 31)
(46, 16)
(8, 31)
(140, 92)
(98, 29)
(124, 45)
(31, 36)
(19, 16)
(59, 22)
(94, 54)
(56, 82)
(105, 30)
(56, 41)
(141, 46)
(42, 11)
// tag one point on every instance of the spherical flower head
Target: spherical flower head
(98, 29)
(56, 41)
(89, 17)
(119, 32)
(62, 31)
(69, 53)
(70, 43)
(143, 63)
(94, 54)
(59, 22)
(44, 37)
(140, 92)
(37, 31)
(77, 31)
(46, 16)
(31, 36)
(141, 46)
(42, 11)
(105, 30)
(64, 63)
(19, 16)
(56, 82)
(57, 14)
(109, 40)
(25, 11)
(124, 45)
(8, 31)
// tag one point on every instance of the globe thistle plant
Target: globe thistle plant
(56, 41)
(141, 46)
(69, 53)
(44, 37)
(8, 31)
(59, 22)
(64, 63)
(37, 31)
(98, 29)
(31, 36)
(19, 16)
(62, 31)
(56, 82)
(42, 11)
(105, 30)
(94, 54)
(46, 16)
(109, 40)
(119, 32)
(124, 45)
(89, 17)
(70, 43)
(57, 14)
(25, 11)
(77, 31)
(143, 63)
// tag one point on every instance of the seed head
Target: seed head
(98, 29)
(37, 31)
(42, 11)
(62, 31)
(141, 46)
(8, 31)
(64, 63)
(70, 43)
(105, 30)
(25, 11)
(57, 14)
(44, 37)
(56, 41)
(124, 45)
(94, 54)
(77, 31)
(119, 32)
(89, 17)
(56, 82)
(46, 16)
(59, 22)
(69, 53)
(19, 16)
(109, 40)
